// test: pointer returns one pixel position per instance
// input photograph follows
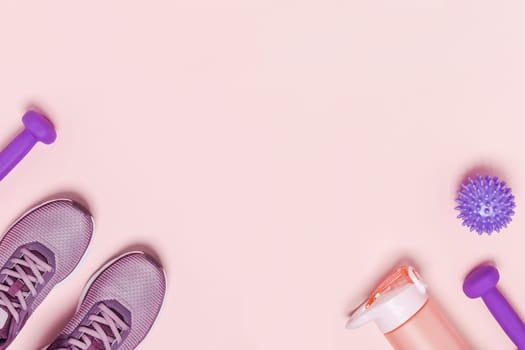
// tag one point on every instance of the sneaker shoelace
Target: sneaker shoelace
(21, 281)
(104, 322)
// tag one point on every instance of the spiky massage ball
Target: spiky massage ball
(485, 204)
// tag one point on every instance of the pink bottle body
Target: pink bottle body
(404, 312)
(428, 329)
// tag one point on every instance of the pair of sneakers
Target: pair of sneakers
(118, 306)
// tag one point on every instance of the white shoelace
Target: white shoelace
(105, 317)
(37, 266)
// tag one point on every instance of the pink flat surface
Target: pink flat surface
(279, 156)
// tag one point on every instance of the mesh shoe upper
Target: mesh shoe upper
(40, 250)
(119, 308)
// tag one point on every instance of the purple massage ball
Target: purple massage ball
(485, 204)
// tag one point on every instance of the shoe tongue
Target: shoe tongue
(19, 285)
(96, 345)
(5, 322)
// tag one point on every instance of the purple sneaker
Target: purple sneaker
(118, 307)
(40, 250)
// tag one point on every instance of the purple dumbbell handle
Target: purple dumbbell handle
(508, 319)
(15, 152)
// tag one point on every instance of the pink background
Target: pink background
(278, 155)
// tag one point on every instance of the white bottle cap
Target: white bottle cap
(399, 297)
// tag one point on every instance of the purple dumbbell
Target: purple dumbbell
(481, 282)
(37, 129)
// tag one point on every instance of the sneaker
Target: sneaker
(40, 250)
(118, 307)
